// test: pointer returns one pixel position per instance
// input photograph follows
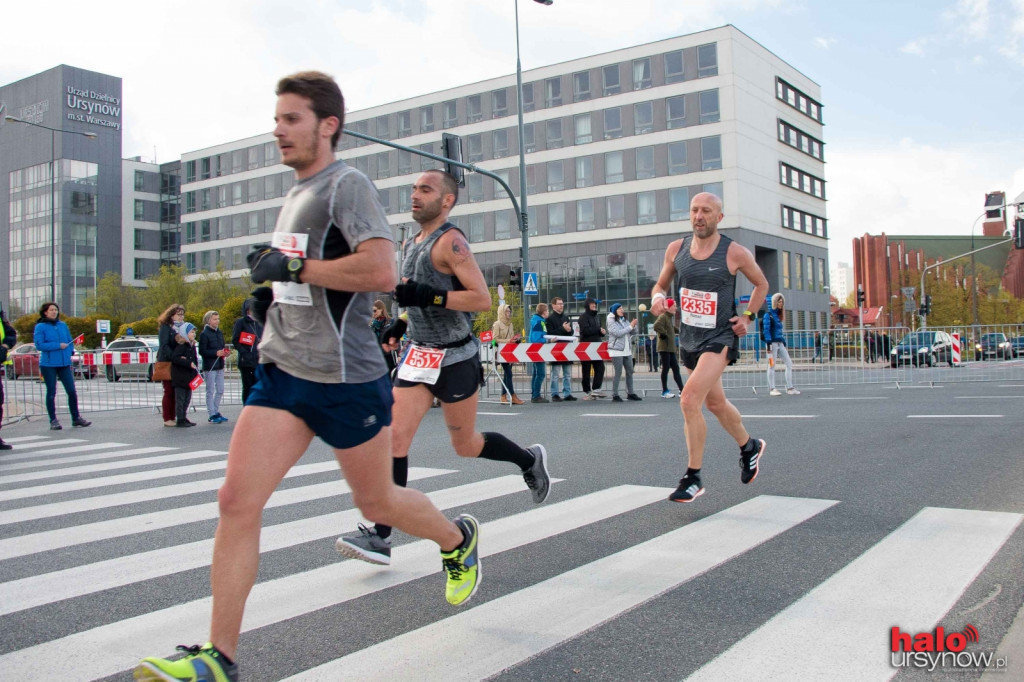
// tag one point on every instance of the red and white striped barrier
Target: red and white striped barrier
(115, 358)
(956, 350)
(551, 352)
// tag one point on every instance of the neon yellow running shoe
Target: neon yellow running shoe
(462, 564)
(202, 664)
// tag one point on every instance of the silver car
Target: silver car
(135, 370)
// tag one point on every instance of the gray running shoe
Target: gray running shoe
(536, 477)
(366, 545)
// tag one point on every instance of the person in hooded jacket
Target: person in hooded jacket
(53, 341)
(245, 337)
(619, 346)
(504, 331)
(8, 340)
(775, 337)
(591, 331)
(213, 353)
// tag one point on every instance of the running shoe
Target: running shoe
(690, 488)
(462, 565)
(792, 391)
(80, 421)
(775, 391)
(668, 394)
(633, 396)
(201, 664)
(366, 545)
(536, 477)
(750, 463)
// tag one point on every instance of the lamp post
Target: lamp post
(524, 257)
(53, 192)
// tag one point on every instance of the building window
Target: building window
(404, 123)
(499, 103)
(613, 167)
(269, 154)
(810, 272)
(821, 275)
(679, 203)
(612, 123)
(528, 104)
(581, 86)
(642, 73)
(616, 211)
(499, 143)
(138, 239)
(404, 199)
(531, 179)
(253, 186)
(707, 60)
(798, 272)
(426, 119)
(474, 109)
(254, 223)
(556, 176)
(426, 163)
(476, 228)
(254, 154)
(475, 187)
(383, 127)
(553, 92)
(499, 191)
(581, 123)
(503, 225)
(140, 181)
(711, 152)
(204, 231)
(140, 209)
(612, 85)
(677, 158)
(801, 181)
(785, 269)
(384, 196)
(645, 163)
(673, 67)
(646, 208)
(404, 162)
(797, 99)
(554, 133)
(675, 112)
(798, 139)
(709, 106)
(474, 148)
(383, 166)
(190, 233)
(451, 117)
(236, 161)
(529, 141)
(271, 188)
(204, 167)
(190, 171)
(584, 171)
(139, 272)
(643, 118)
(584, 215)
(715, 188)
(795, 219)
(556, 218)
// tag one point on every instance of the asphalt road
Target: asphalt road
(876, 507)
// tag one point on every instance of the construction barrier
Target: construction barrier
(559, 351)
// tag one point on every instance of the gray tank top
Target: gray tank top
(706, 276)
(435, 326)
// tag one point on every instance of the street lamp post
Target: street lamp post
(53, 192)
(524, 257)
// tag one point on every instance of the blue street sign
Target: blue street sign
(744, 299)
(578, 296)
(530, 283)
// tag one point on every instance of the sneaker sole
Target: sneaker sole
(764, 448)
(544, 466)
(353, 552)
(698, 494)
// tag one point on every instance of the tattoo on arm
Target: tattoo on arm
(460, 251)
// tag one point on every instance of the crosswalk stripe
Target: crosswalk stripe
(59, 538)
(125, 642)
(17, 595)
(94, 457)
(6, 478)
(36, 442)
(25, 439)
(88, 483)
(910, 579)
(149, 494)
(571, 603)
(88, 447)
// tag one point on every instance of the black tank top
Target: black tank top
(707, 293)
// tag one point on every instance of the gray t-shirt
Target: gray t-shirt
(321, 334)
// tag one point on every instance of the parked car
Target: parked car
(1017, 345)
(923, 348)
(135, 370)
(993, 345)
(25, 363)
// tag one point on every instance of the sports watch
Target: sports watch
(294, 266)
(749, 314)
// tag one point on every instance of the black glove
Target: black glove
(3, 354)
(269, 264)
(262, 297)
(395, 330)
(412, 293)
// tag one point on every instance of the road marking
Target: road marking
(20, 453)
(954, 416)
(881, 397)
(278, 600)
(1010, 386)
(25, 439)
(101, 466)
(68, 450)
(58, 538)
(817, 388)
(987, 397)
(617, 416)
(501, 414)
(47, 588)
(485, 640)
(780, 416)
(910, 579)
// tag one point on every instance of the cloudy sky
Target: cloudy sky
(923, 100)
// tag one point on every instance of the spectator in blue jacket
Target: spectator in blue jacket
(53, 341)
(213, 352)
(538, 329)
(775, 337)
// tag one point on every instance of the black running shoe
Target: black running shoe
(690, 488)
(537, 478)
(750, 463)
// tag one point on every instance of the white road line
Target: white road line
(59, 538)
(26, 593)
(42, 511)
(90, 447)
(6, 466)
(881, 397)
(612, 415)
(154, 634)
(500, 414)
(954, 416)
(987, 397)
(780, 416)
(25, 439)
(817, 388)
(1009, 385)
(490, 638)
(908, 580)
(6, 478)
(19, 452)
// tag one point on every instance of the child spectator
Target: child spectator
(183, 371)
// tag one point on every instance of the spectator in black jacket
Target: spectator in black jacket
(213, 353)
(183, 371)
(591, 331)
(245, 337)
(558, 325)
(169, 318)
(8, 339)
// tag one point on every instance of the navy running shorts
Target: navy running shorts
(690, 359)
(342, 415)
(456, 382)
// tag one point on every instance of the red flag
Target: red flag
(80, 339)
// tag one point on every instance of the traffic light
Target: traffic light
(928, 305)
(923, 310)
(860, 296)
(1018, 233)
(513, 278)
(451, 148)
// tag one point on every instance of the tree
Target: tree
(210, 291)
(164, 288)
(485, 320)
(114, 300)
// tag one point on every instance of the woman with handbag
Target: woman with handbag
(174, 315)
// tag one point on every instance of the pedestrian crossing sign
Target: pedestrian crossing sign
(530, 283)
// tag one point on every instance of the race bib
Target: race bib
(421, 365)
(246, 339)
(698, 308)
(291, 293)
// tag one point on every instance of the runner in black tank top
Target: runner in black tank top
(704, 265)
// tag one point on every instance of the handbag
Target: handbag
(162, 371)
